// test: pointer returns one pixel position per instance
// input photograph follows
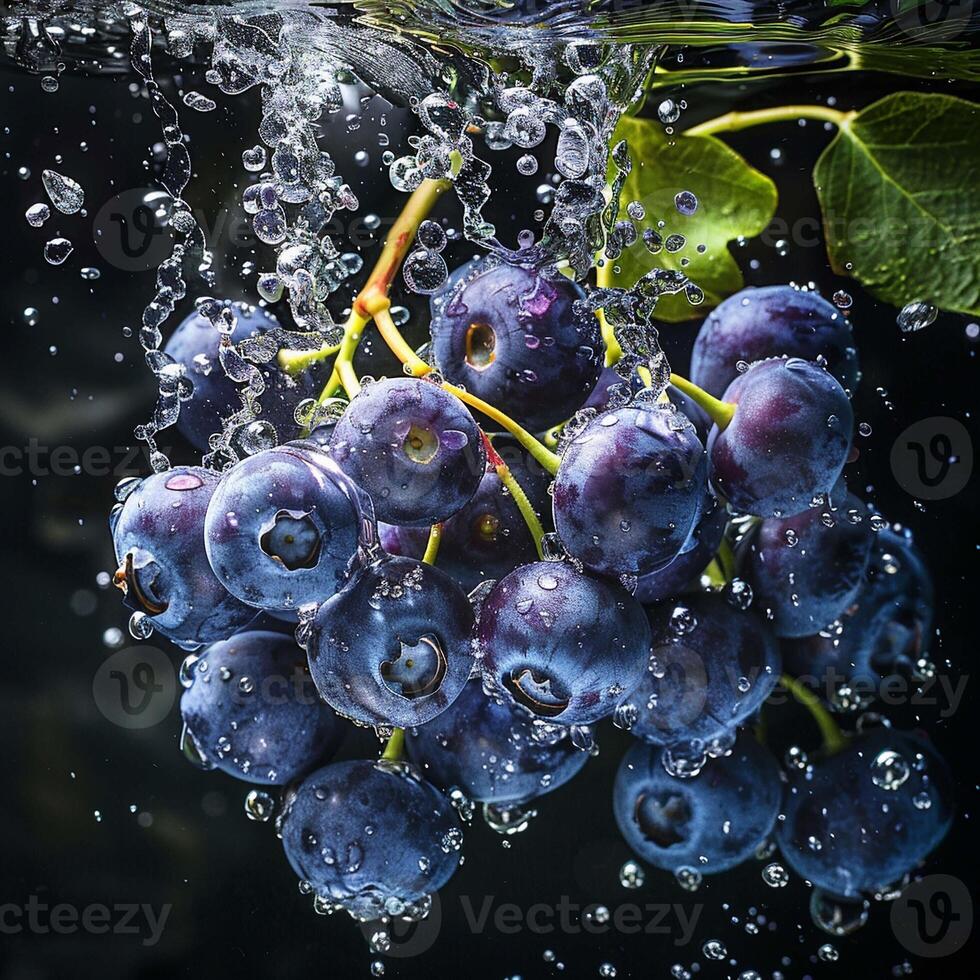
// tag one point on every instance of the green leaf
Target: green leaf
(734, 200)
(899, 188)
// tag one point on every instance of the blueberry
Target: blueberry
(371, 837)
(861, 819)
(251, 710)
(770, 321)
(519, 341)
(393, 646)
(629, 489)
(560, 643)
(158, 537)
(488, 537)
(493, 752)
(787, 441)
(195, 344)
(884, 631)
(413, 447)
(806, 570)
(713, 665)
(697, 553)
(711, 822)
(282, 528)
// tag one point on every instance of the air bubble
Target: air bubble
(199, 102)
(425, 271)
(37, 214)
(254, 159)
(57, 250)
(916, 316)
(889, 770)
(632, 876)
(686, 203)
(66, 194)
(527, 165)
(668, 111)
(775, 875)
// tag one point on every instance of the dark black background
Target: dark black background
(236, 909)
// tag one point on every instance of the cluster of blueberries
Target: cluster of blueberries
(296, 579)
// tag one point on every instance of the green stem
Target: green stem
(295, 361)
(716, 575)
(395, 746)
(614, 351)
(726, 559)
(432, 545)
(732, 121)
(833, 738)
(520, 497)
(721, 413)
(343, 374)
(373, 297)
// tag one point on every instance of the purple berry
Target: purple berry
(772, 321)
(519, 341)
(413, 447)
(787, 441)
(629, 489)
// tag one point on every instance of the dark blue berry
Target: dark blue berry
(393, 646)
(215, 396)
(787, 442)
(629, 489)
(861, 819)
(251, 710)
(282, 528)
(413, 447)
(772, 321)
(562, 644)
(371, 837)
(713, 665)
(806, 570)
(163, 569)
(886, 629)
(707, 823)
(493, 752)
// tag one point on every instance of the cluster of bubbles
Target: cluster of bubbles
(577, 91)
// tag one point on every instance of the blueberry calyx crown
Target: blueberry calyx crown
(127, 581)
(418, 670)
(535, 692)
